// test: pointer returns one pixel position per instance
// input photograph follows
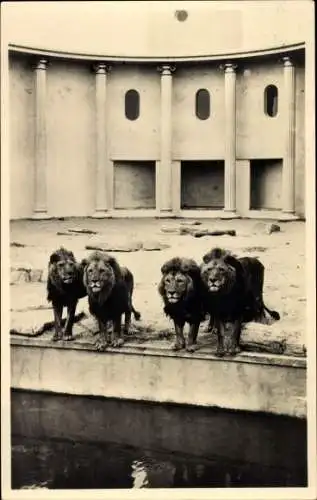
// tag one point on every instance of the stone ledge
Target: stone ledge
(259, 383)
(162, 348)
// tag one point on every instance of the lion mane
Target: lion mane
(109, 288)
(181, 290)
(64, 288)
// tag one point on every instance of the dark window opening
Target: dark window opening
(132, 104)
(271, 100)
(202, 104)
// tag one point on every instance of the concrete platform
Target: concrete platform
(151, 371)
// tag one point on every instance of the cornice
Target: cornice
(285, 49)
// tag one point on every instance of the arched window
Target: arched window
(202, 104)
(271, 100)
(132, 104)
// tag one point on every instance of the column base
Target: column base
(165, 214)
(287, 217)
(228, 214)
(101, 214)
(40, 215)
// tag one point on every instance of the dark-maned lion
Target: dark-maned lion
(181, 290)
(64, 288)
(233, 295)
(109, 288)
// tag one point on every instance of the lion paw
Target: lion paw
(231, 353)
(56, 337)
(220, 352)
(178, 346)
(68, 336)
(100, 345)
(191, 348)
(127, 332)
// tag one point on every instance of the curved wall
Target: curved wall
(150, 29)
(71, 122)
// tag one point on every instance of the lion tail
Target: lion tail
(136, 314)
(275, 315)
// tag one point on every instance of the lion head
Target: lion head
(63, 267)
(219, 271)
(101, 273)
(178, 279)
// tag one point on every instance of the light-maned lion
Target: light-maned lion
(64, 288)
(181, 290)
(109, 288)
(233, 295)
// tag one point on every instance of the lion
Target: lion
(109, 288)
(181, 290)
(64, 288)
(233, 295)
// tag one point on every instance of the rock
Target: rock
(200, 233)
(228, 232)
(25, 274)
(190, 223)
(273, 339)
(188, 230)
(17, 276)
(36, 275)
(273, 228)
(254, 249)
(16, 244)
(149, 246)
(22, 267)
(65, 233)
(170, 229)
(81, 231)
(206, 232)
(124, 246)
(30, 323)
(34, 323)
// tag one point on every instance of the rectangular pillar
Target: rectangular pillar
(289, 155)
(102, 164)
(230, 138)
(40, 174)
(165, 165)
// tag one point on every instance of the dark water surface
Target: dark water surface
(73, 442)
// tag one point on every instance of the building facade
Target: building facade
(189, 136)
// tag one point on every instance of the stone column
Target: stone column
(289, 154)
(40, 188)
(230, 137)
(101, 201)
(164, 203)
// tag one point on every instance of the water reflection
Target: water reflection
(153, 473)
(74, 443)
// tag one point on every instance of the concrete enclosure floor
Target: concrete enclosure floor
(282, 253)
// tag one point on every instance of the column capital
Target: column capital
(228, 67)
(166, 69)
(101, 68)
(40, 64)
(287, 61)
